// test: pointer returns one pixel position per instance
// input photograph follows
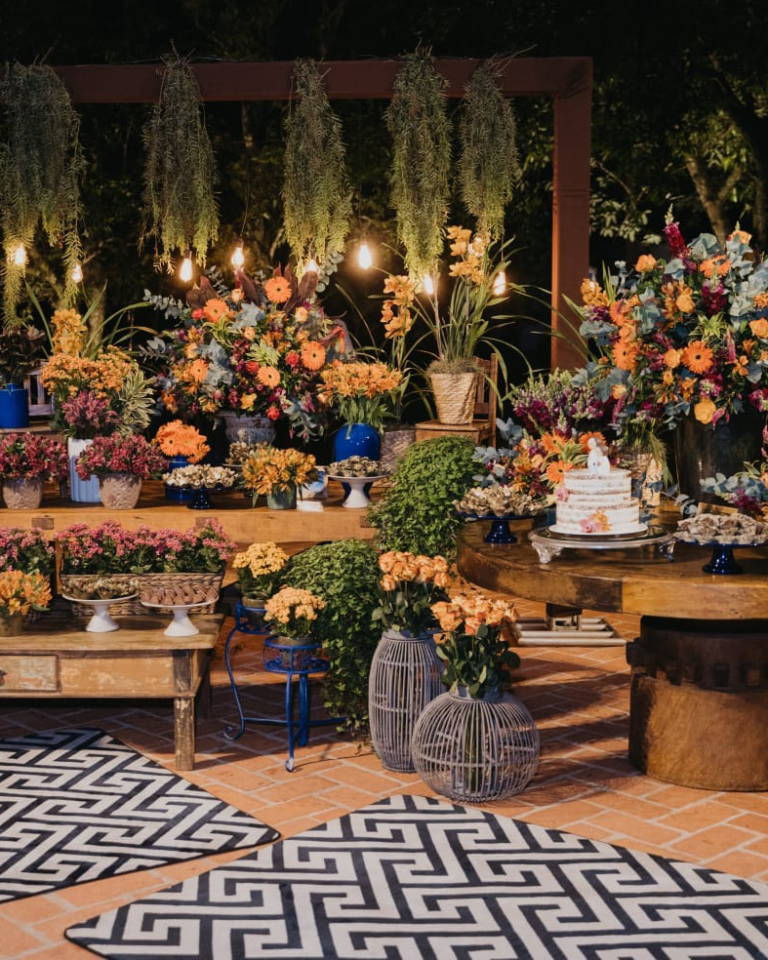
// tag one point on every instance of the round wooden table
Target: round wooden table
(699, 685)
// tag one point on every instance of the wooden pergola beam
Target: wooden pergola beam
(568, 80)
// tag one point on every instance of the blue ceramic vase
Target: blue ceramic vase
(14, 407)
(357, 440)
(178, 493)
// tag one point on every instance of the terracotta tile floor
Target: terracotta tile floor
(579, 697)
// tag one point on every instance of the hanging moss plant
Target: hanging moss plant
(316, 194)
(420, 130)
(488, 166)
(40, 169)
(181, 213)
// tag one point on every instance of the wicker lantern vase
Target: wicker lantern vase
(473, 750)
(404, 678)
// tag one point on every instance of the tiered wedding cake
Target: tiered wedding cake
(598, 500)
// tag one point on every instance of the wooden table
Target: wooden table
(55, 658)
(699, 685)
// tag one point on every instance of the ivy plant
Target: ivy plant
(418, 123)
(180, 209)
(316, 194)
(480, 662)
(417, 513)
(41, 165)
(488, 163)
(345, 574)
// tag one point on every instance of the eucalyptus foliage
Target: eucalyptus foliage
(316, 193)
(488, 164)
(417, 512)
(418, 123)
(40, 169)
(180, 209)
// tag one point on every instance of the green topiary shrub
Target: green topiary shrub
(345, 574)
(417, 512)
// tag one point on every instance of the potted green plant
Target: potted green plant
(257, 570)
(27, 461)
(405, 671)
(121, 464)
(475, 742)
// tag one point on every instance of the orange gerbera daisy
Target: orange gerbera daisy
(268, 376)
(556, 472)
(312, 355)
(697, 356)
(277, 289)
(215, 309)
(198, 370)
(625, 355)
(552, 442)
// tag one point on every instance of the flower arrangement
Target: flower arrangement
(21, 592)
(110, 548)
(28, 456)
(256, 349)
(257, 568)
(177, 439)
(293, 612)
(198, 475)
(26, 550)
(685, 335)
(361, 392)
(558, 402)
(93, 397)
(473, 651)
(269, 470)
(116, 454)
(21, 350)
(410, 584)
(70, 332)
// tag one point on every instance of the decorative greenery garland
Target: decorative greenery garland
(488, 165)
(40, 169)
(181, 212)
(420, 130)
(316, 195)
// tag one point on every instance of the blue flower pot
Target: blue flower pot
(357, 440)
(178, 494)
(14, 407)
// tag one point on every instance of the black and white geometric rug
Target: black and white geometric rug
(412, 878)
(78, 805)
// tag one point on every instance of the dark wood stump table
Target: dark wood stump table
(699, 684)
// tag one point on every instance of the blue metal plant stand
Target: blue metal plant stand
(292, 661)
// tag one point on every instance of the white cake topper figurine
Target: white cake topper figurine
(597, 462)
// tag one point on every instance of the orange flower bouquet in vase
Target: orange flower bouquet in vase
(277, 475)
(183, 444)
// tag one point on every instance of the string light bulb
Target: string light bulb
(500, 283)
(429, 285)
(238, 257)
(20, 256)
(312, 266)
(364, 257)
(185, 272)
(77, 273)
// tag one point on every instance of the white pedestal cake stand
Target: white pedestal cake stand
(357, 498)
(181, 625)
(101, 622)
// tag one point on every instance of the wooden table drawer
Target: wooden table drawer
(38, 673)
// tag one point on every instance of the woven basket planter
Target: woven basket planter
(394, 443)
(133, 608)
(454, 396)
(23, 494)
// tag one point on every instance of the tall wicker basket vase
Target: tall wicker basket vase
(404, 678)
(454, 396)
(472, 750)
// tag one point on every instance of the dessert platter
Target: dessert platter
(722, 533)
(180, 600)
(499, 505)
(356, 475)
(99, 593)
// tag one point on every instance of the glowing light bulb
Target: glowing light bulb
(429, 285)
(312, 266)
(238, 257)
(185, 273)
(364, 257)
(20, 256)
(500, 283)
(77, 274)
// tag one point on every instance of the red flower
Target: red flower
(273, 412)
(292, 358)
(252, 367)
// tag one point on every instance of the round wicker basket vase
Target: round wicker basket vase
(405, 676)
(394, 443)
(119, 491)
(472, 750)
(23, 494)
(454, 396)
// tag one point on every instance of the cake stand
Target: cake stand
(722, 562)
(181, 625)
(499, 532)
(356, 489)
(101, 622)
(548, 543)
(201, 497)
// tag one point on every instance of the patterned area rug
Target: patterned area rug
(414, 878)
(78, 805)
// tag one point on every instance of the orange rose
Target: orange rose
(759, 327)
(684, 301)
(704, 411)
(645, 263)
